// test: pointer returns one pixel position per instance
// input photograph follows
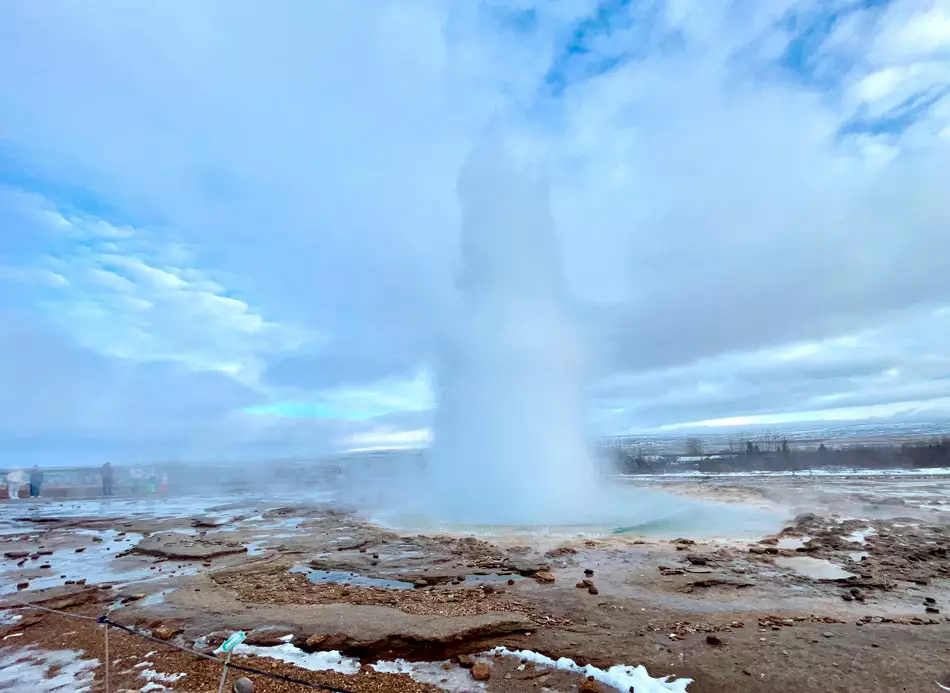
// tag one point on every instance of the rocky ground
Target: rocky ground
(856, 602)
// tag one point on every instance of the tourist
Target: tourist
(152, 482)
(15, 481)
(36, 481)
(108, 475)
(163, 488)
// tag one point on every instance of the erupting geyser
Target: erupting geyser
(509, 442)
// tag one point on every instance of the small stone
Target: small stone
(97, 540)
(828, 634)
(593, 590)
(420, 583)
(22, 585)
(580, 585)
(932, 610)
(713, 640)
(243, 685)
(16, 555)
(466, 661)
(446, 667)
(747, 672)
(696, 560)
(80, 549)
(929, 600)
(481, 672)
(488, 589)
(589, 686)
(45, 566)
(589, 572)
(165, 632)
(544, 576)
(847, 597)
(81, 582)
(511, 582)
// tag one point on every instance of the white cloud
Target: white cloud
(268, 193)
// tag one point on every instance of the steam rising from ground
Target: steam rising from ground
(509, 442)
(510, 447)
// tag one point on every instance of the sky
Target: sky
(229, 229)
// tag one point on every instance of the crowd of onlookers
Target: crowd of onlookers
(139, 480)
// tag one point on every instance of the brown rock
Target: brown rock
(593, 590)
(713, 640)
(22, 585)
(164, 632)
(580, 585)
(80, 549)
(481, 672)
(466, 661)
(696, 560)
(589, 686)
(17, 555)
(544, 576)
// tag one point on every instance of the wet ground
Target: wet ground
(850, 592)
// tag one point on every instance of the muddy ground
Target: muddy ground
(850, 594)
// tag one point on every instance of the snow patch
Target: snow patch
(316, 661)
(153, 675)
(432, 673)
(73, 674)
(623, 678)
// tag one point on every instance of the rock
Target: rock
(97, 540)
(511, 582)
(132, 597)
(588, 572)
(682, 541)
(488, 589)
(174, 545)
(769, 541)
(420, 583)
(696, 560)
(45, 566)
(525, 565)
(544, 576)
(17, 555)
(243, 685)
(805, 518)
(22, 585)
(713, 640)
(267, 636)
(81, 582)
(80, 549)
(466, 661)
(164, 632)
(929, 600)
(847, 597)
(932, 610)
(593, 590)
(828, 634)
(757, 549)
(589, 686)
(580, 585)
(481, 672)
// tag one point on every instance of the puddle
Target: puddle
(814, 568)
(858, 556)
(491, 579)
(860, 536)
(792, 543)
(354, 579)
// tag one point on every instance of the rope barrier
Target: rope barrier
(109, 623)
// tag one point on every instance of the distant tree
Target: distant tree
(749, 448)
(694, 447)
(785, 447)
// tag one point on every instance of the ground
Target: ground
(848, 594)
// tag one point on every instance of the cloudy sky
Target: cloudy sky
(229, 228)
